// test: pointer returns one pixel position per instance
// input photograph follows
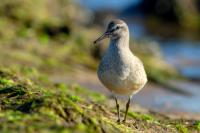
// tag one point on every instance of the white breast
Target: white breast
(122, 72)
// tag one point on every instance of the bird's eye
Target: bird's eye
(117, 27)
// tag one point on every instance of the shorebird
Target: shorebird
(120, 70)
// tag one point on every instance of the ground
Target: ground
(27, 106)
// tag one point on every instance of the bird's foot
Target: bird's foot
(118, 121)
(124, 121)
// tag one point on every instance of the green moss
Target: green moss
(197, 125)
(145, 117)
(14, 116)
(44, 39)
(181, 128)
(74, 98)
(29, 70)
(92, 95)
(117, 127)
(13, 90)
(7, 82)
(51, 110)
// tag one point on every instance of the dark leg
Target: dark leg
(127, 107)
(118, 111)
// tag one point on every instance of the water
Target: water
(160, 99)
(107, 4)
(184, 55)
(180, 53)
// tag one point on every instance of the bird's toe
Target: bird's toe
(118, 121)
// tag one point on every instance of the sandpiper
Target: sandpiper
(120, 70)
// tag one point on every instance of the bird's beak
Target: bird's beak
(105, 35)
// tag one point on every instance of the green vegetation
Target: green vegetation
(197, 125)
(181, 128)
(29, 107)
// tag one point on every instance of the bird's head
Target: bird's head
(115, 30)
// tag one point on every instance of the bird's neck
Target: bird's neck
(121, 43)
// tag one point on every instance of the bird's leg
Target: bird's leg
(118, 110)
(127, 107)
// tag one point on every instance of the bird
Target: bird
(119, 70)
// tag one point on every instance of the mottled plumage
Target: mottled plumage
(119, 70)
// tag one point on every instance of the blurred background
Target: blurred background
(55, 39)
